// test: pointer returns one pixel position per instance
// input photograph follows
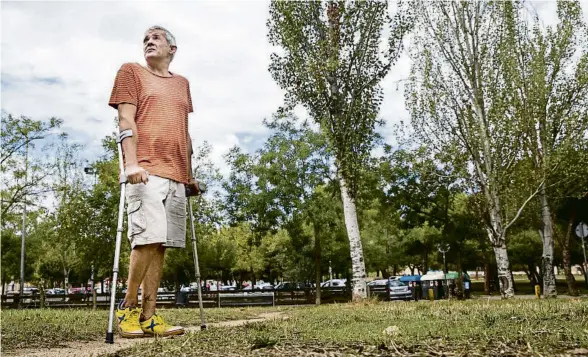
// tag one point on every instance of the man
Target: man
(154, 103)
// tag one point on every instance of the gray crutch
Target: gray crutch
(189, 192)
(119, 230)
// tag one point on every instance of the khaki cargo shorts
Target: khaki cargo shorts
(157, 212)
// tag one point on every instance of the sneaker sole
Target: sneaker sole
(166, 334)
(130, 334)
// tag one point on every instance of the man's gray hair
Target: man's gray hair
(171, 40)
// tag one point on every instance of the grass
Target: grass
(53, 327)
(524, 287)
(478, 327)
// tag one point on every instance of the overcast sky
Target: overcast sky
(60, 58)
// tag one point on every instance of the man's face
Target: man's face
(155, 45)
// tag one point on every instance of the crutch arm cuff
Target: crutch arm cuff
(123, 135)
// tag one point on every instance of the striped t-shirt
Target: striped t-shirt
(163, 104)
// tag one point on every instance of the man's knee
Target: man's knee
(149, 247)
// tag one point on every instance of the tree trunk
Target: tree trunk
(317, 263)
(355, 246)
(504, 277)
(549, 289)
(487, 278)
(530, 271)
(66, 280)
(514, 284)
(567, 259)
(459, 282)
(42, 294)
(426, 262)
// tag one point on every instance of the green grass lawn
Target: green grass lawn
(473, 327)
(42, 328)
(477, 327)
(524, 287)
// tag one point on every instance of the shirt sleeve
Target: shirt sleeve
(125, 88)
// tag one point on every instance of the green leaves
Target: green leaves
(331, 63)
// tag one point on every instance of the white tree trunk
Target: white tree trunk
(504, 275)
(549, 289)
(355, 247)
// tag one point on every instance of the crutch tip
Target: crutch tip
(110, 337)
(203, 327)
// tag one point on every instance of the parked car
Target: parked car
(378, 282)
(30, 291)
(399, 290)
(73, 291)
(287, 285)
(334, 283)
(55, 291)
(124, 291)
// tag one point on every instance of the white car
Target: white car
(334, 283)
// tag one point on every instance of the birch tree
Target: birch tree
(460, 105)
(547, 72)
(330, 61)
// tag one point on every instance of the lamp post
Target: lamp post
(24, 228)
(443, 248)
(92, 171)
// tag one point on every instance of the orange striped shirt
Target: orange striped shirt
(163, 104)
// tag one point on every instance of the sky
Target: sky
(59, 59)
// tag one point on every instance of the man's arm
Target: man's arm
(126, 120)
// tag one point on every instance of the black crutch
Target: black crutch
(119, 230)
(201, 190)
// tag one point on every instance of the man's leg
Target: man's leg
(142, 257)
(151, 282)
(175, 216)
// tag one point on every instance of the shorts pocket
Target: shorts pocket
(137, 221)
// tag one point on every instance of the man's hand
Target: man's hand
(192, 188)
(136, 174)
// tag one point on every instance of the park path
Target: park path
(97, 348)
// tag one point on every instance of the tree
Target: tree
(71, 214)
(330, 62)
(460, 105)
(19, 135)
(292, 166)
(546, 70)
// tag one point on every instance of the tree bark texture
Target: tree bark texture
(355, 246)
(504, 277)
(317, 263)
(549, 289)
(567, 258)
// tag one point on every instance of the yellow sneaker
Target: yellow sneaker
(128, 321)
(156, 326)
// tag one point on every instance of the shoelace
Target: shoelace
(134, 315)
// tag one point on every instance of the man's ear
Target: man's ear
(173, 50)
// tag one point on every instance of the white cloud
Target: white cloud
(60, 58)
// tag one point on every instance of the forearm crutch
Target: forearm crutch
(119, 230)
(196, 265)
